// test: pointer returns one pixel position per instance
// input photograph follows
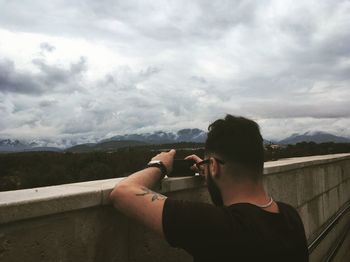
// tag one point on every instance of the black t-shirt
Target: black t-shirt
(240, 232)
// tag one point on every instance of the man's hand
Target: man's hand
(167, 158)
(197, 159)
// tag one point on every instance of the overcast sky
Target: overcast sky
(88, 69)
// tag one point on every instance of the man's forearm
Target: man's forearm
(148, 177)
(133, 197)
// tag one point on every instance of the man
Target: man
(244, 224)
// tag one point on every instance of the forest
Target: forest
(37, 169)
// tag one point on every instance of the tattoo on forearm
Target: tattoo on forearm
(155, 195)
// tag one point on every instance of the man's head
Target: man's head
(238, 143)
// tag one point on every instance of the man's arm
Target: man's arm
(133, 195)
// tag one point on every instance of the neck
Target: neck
(244, 192)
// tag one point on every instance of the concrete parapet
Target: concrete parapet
(286, 180)
(74, 222)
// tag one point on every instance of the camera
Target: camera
(182, 167)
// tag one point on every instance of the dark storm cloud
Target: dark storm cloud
(53, 75)
(17, 82)
(47, 47)
(51, 78)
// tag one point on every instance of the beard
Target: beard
(214, 191)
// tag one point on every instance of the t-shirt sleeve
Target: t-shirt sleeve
(298, 226)
(193, 225)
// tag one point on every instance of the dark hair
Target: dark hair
(237, 140)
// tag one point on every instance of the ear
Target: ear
(214, 168)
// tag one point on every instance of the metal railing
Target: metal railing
(333, 250)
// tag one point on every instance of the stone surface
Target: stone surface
(343, 254)
(330, 203)
(345, 166)
(322, 248)
(343, 193)
(310, 184)
(304, 215)
(82, 235)
(333, 176)
(283, 186)
(283, 165)
(35, 202)
(146, 246)
(315, 215)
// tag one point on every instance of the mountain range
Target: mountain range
(160, 137)
(317, 137)
(9, 145)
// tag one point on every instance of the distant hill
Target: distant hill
(317, 137)
(14, 145)
(104, 146)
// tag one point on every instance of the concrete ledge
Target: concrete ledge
(28, 203)
(287, 164)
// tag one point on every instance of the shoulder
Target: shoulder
(290, 213)
(287, 208)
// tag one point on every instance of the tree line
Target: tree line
(37, 169)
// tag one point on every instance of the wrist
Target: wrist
(157, 164)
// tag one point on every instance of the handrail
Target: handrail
(328, 228)
(337, 245)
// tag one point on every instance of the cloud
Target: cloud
(51, 78)
(48, 103)
(18, 82)
(47, 47)
(112, 67)
(275, 109)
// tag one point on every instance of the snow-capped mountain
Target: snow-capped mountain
(315, 136)
(161, 137)
(14, 145)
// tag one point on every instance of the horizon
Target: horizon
(88, 72)
(72, 143)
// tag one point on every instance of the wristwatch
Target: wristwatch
(160, 165)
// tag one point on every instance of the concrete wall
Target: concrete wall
(75, 222)
(318, 191)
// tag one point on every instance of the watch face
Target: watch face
(159, 164)
(154, 162)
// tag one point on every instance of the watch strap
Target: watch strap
(160, 165)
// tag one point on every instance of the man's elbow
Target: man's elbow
(117, 195)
